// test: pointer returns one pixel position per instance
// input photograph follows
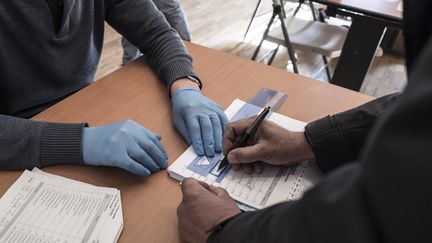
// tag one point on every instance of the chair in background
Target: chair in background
(297, 34)
(252, 19)
(255, 13)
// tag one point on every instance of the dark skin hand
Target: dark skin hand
(271, 144)
(203, 207)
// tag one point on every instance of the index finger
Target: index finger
(234, 130)
(152, 148)
(195, 134)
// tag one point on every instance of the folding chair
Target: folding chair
(255, 13)
(297, 34)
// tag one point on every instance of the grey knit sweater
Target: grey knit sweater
(50, 49)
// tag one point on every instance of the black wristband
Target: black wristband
(195, 80)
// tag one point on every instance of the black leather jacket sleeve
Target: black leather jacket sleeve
(337, 139)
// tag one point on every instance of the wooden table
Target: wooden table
(133, 92)
(370, 19)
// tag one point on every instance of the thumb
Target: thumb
(192, 187)
(247, 154)
(158, 135)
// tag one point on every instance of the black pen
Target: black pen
(250, 131)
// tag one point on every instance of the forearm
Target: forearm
(25, 144)
(340, 138)
(269, 225)
(145, 27)
(334, 211)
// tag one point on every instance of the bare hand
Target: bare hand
(271, 144)
(202, 208)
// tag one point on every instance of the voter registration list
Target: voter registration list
(40, 207)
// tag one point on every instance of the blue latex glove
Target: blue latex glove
(127, 145)
(199, 120)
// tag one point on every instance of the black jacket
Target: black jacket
(384, 197)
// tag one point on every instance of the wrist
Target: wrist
(184, 83)
(85, 136)
(221, 223)
(304, 148)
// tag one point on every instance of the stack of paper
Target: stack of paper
(275, 184)
(41, 207)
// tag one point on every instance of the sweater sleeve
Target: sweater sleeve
(25, 144)
(146, 27)
(339, 138)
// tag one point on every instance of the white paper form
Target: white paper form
(275, 184)
(40, 207)
(112, 222)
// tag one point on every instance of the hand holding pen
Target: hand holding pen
(241, 140)
(270, 144)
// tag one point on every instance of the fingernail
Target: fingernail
(218, 149)
(164, 165)
(210, 151)
(145, 172)
(199, 151)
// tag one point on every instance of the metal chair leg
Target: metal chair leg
(291, 52)
(273, 55)
(295, 68)
(327, 68)
(322, 16)
(298, 7)
(252, 19)
(283, 9)
(277, 11)
(264, 35)
(313, 10)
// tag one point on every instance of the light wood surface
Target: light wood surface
(377, 7)
(133, 92)
(221, 25)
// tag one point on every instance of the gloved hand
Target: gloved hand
(199, 120)
(127, 145)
